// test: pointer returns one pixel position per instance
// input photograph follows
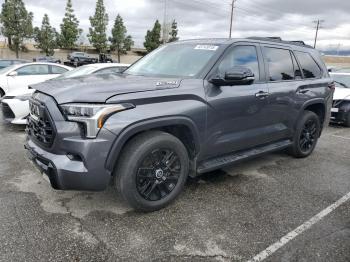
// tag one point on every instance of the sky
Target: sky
(289, 19)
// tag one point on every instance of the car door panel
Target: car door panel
(237, 116)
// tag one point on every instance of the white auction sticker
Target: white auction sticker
(207, 47)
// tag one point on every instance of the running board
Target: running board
(223, 161)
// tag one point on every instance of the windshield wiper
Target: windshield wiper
(342, 84)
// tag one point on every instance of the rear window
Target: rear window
(308, 65)
(58, 70)
(280, 64)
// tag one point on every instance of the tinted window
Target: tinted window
(280, 64)
(57, 70)
(241, 56)
(297, 71)
(308, 64)
(33, 70)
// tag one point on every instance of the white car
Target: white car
(19, 77)
(14, 83)
(15, 105)
(105, 68)
(341, 99)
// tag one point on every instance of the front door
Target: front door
(28, 75)
(237, 116)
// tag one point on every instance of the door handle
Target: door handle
(262, 95)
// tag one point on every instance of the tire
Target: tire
(2, 93)
(152, 171)
(347, 121)
(306, 136)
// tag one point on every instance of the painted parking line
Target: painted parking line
(299, 230)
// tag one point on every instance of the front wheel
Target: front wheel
(152, 170)
(306, 136)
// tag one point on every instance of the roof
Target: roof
(227, 41)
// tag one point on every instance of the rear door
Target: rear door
(284, 83)
(237, 116)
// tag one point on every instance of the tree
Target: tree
(99, 22)
(119, 40)
(152, 39)
(17, 23)
(70, 30)
(174, 31)
(45, 37)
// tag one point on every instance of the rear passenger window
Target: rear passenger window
(279, 63)
(297, 71)
(57, 70)
(308, 64)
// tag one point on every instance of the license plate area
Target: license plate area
(335, 110)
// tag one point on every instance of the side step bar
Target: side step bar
(223, 161)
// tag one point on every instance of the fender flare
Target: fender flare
(311, 102)
(145, 125)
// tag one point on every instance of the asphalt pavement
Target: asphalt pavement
(227, 215)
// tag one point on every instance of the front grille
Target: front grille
(40, 126)
(7, 112)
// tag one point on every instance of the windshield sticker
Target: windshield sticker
(207, 47)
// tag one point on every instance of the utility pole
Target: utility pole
(165, 26)
(231, 21)
(318, 27)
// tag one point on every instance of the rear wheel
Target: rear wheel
(152, 170)
(2, 93)
(306, 136)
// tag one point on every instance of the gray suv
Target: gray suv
(185, 109)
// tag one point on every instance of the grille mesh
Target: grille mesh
(40, 126)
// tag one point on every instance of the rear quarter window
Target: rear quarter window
(309, 66)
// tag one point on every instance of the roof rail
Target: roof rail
(279, 40)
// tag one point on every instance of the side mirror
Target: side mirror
(237, 75)
(13, 73)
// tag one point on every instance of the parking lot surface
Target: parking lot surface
(228, 215)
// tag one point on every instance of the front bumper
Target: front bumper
(85, 172)
(15, 111)
(71, 161)
(341, 111)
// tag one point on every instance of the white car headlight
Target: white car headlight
(93, 116)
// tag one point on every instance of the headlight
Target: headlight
(93, 116)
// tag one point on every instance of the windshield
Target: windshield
(80, 71)
(6, 69)
(179, 60)
(343, 80)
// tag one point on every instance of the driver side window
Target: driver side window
(245, 56)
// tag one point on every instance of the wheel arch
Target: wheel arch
(181, 127)
(317, 106)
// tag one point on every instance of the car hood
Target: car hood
(99, 88)
(341, 93)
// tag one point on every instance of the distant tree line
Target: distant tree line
(17, 25)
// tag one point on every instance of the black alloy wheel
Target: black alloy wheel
(158, 174)
(308, 136)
